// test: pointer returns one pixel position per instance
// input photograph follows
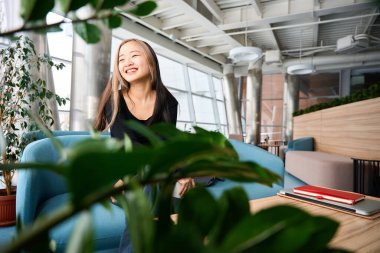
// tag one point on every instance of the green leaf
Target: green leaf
(90, 33)
(26, 9)
(324, 230)
(105, 168)
(140, 218)
(107, 4)
(280, 228)
(168, 131)
(49, 29)
(234, 170)
(144, 131)
(233, 208)
(128, 145)
(192, 211)
(113, 21)
(81, 240)
(72, 5)
(35, 9)
(181, 239)
(144, 8)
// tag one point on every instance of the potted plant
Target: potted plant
(20, 93)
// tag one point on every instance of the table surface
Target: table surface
(354, 233)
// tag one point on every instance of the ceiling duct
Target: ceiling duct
(352, 44)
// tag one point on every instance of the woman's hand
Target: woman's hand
(118, 183)
(185, 185)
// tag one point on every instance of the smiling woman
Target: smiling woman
(136, 92)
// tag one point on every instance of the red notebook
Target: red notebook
(330, 194)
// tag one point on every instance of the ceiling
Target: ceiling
(299, 29)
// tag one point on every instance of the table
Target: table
(354, 233)
(271, 148)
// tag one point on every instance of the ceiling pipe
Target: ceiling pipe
(357, 60)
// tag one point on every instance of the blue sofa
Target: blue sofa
(42, 192)
(301, 144)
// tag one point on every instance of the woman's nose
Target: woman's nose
(129, 62)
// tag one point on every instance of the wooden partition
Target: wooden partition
(352, 130)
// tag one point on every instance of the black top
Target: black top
(118, 129)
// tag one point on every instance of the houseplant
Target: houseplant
(21, 92)
(204, 225)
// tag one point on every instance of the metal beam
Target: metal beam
(258, 7)
(203, 21)
(175, 22)
(214, 9)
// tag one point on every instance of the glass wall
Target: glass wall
(315, 89)
(271, 107)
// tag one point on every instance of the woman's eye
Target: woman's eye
(120, 60)
(133, 56)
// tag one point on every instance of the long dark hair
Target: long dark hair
(112, 92)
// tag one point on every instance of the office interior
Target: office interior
(193, 40)
(305, 52)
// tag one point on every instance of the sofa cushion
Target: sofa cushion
(36, 186)
(108, 224)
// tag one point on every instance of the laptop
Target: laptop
(366, 207)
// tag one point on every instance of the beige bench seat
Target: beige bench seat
(320, 168)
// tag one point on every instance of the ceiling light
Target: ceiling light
(245, 54)
(301, 69)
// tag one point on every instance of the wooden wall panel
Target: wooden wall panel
(352, 130)
(308, 125)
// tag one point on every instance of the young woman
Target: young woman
(136, 92)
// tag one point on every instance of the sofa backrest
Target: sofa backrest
(301, 144)
(248, 152)
(35, 186)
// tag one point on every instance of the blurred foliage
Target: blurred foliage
(205, 224)
(34, 15)
(373, 91)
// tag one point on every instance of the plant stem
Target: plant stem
(45, 26)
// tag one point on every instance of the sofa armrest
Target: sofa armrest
(248, 152)
(36, 186)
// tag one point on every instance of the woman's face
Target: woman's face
(133, 64)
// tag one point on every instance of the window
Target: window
(171, 73)
(199, 82)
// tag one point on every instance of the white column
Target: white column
(231, 100)
(291, 104)
(345, 82)
(253, 116)
(90, 73)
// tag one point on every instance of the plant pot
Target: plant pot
(7, 208)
